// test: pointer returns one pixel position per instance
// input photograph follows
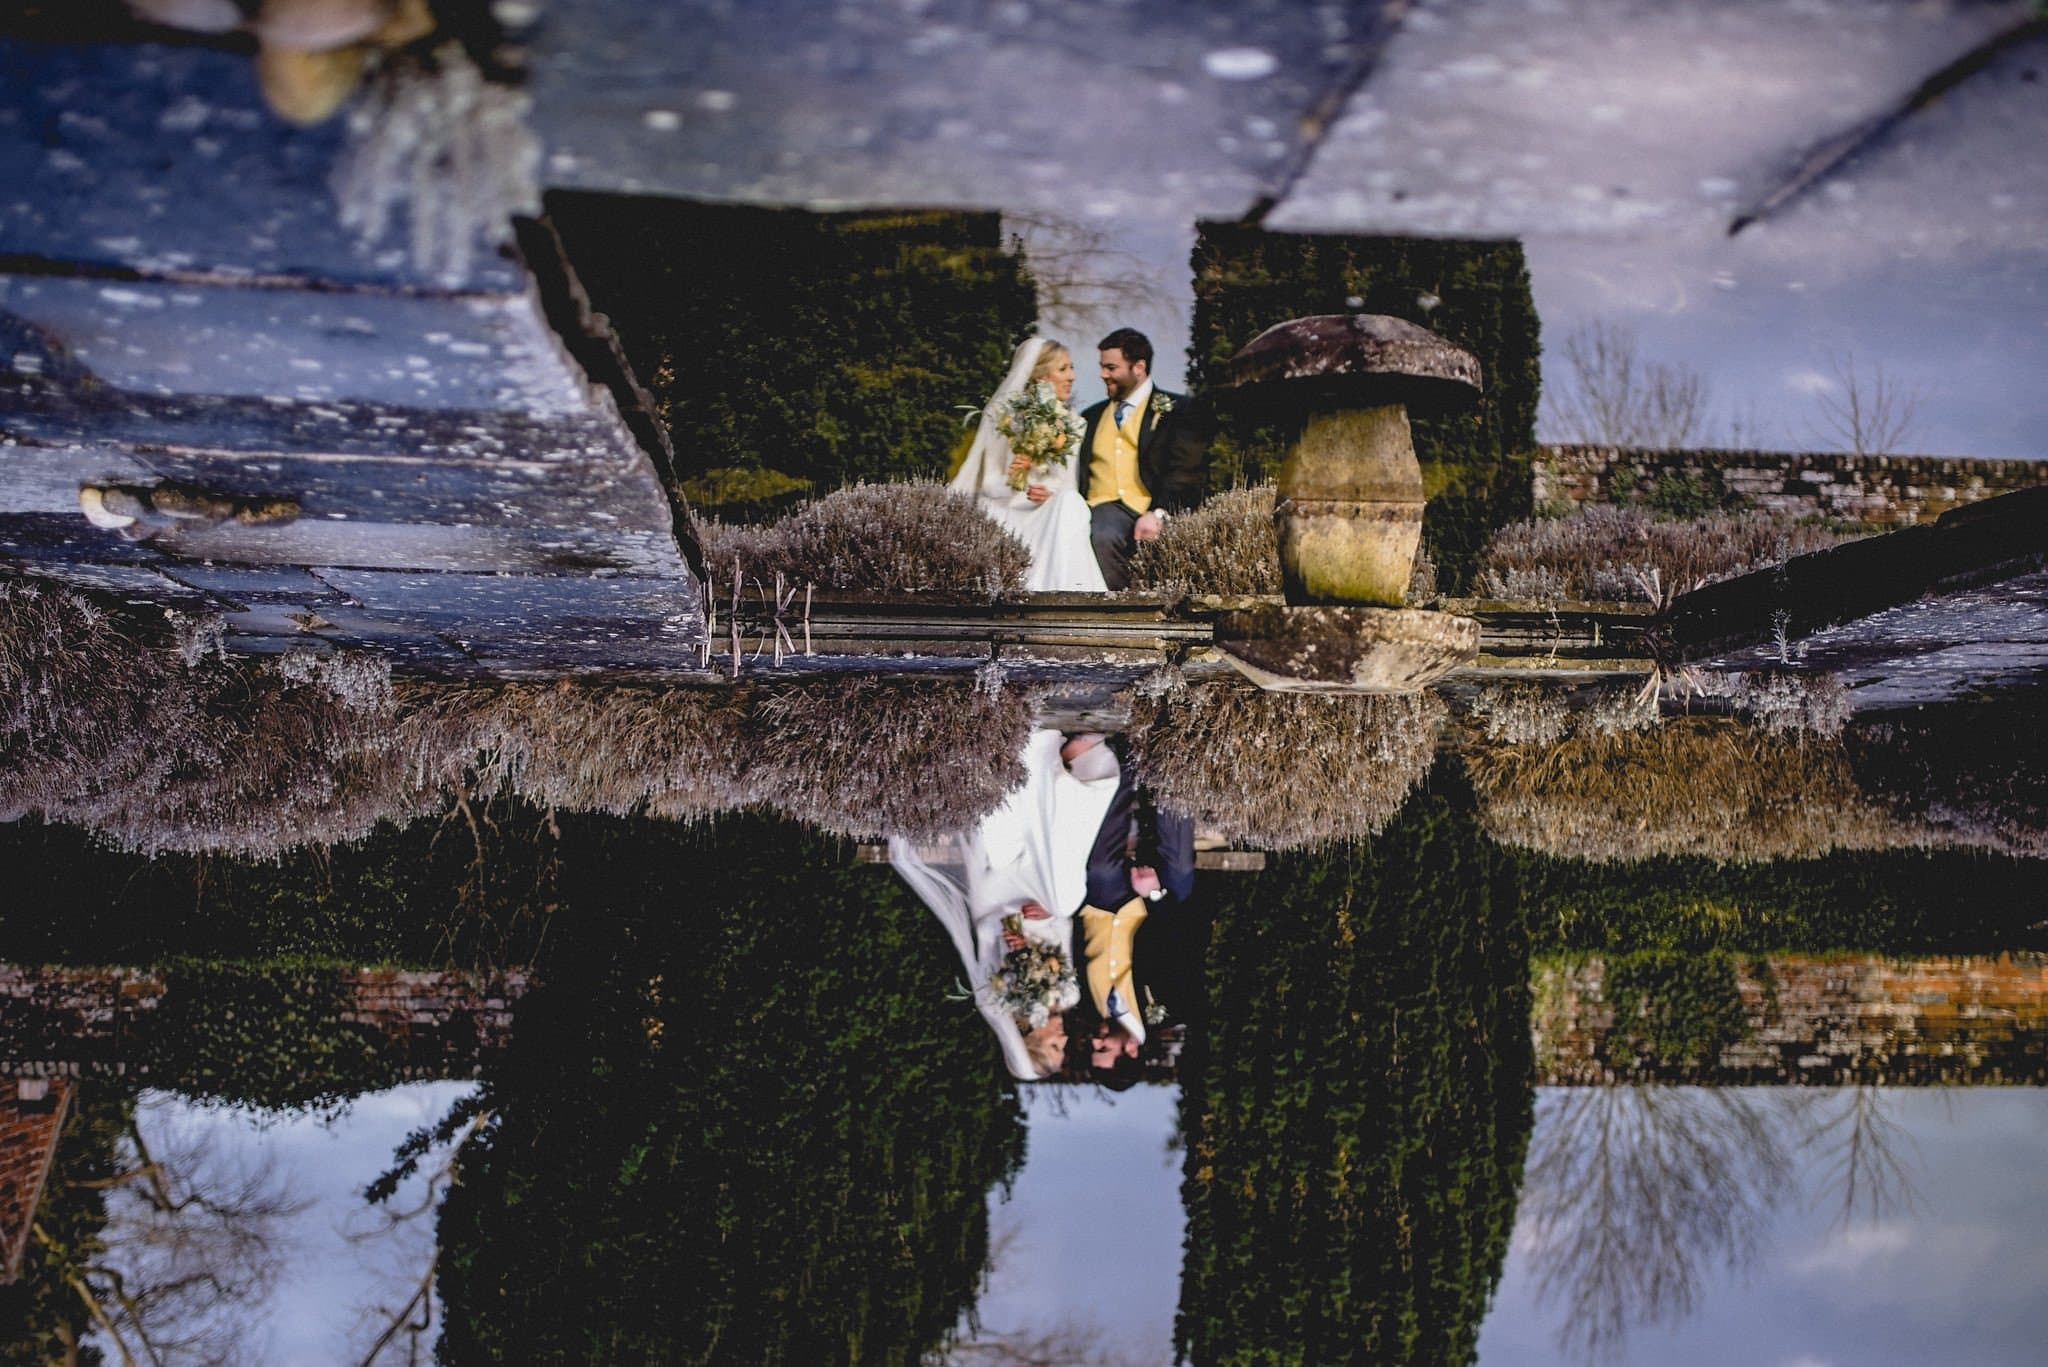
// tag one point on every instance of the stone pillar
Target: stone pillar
(1348, 516)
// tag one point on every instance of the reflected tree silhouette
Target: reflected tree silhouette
(162, 1237)
(1867, 1158)
(1632, 1194)
(740, 1121)
(1357, 1107)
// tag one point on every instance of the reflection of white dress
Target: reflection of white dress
(1034, 848)
(1056, 531)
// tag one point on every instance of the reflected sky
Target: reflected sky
(1959, 1276)
(1088, 1239)
(334, 1262)
(1089, 1235)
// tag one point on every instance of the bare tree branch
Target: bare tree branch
(1611, 397)
(1632, 1192)
(1081, 276)
(1867, 1157)
(1866, 415)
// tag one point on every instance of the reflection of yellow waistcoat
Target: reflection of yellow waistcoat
(1106, 940)
(1113, 460)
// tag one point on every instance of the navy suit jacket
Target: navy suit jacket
(1173, 450)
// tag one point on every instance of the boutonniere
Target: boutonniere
(1161, 404)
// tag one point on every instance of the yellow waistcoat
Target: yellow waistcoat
(1113, 460)
(1106, 940)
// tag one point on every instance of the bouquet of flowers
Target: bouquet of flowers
(1033, 982)
(1041, 429)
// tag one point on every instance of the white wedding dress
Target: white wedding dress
(1056, 531)
(1034, 848)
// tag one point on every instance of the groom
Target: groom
(1142, 863)
(1145, 462)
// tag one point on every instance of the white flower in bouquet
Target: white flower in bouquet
(1040, 428)
(1033, 982)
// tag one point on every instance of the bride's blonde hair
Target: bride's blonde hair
(1048, 358)
(1045, 1055)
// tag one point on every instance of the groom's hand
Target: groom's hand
(1037, 493)
(1147, 528)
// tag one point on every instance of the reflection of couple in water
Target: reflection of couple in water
(1064, 874)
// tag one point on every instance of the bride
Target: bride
(1048, 514)
(1027, 859)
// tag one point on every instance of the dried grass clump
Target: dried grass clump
(1783, 704)
(1545, 713)
(1224, 547)
(871, 757)
(676, 753)
(268, 763)
(1621, 555)
(882, 538)
(1227, 547)
(858, 757)
(1285, 771)
(85, 698)
(154, 741)
(1522, 714)
(1703, 786)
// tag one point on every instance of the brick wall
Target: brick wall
(1827, 1021)
(29, 1126)
(70, 1022)
(1885, 491)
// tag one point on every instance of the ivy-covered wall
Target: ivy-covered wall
(790, 350)
(1357, 1108)
(43, 1318)
(741, 1122)
(1474, 294)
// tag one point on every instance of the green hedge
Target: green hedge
(1357, 1108)
(741, 1122)
(827, 348)
(1476, 462)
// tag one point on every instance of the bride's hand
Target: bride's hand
(1019, 464)
(1037, 493)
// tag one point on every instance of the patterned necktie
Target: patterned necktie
(1123, 409)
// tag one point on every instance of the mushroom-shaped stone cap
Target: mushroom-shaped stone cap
(1353, 360)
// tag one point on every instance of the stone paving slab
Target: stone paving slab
(427, 352)
(157, 159)
(521, 623)
(1934, 650)
(242, 584)
(45, 479)
(135, 585)
(36, 411)
(1615, 118)
(1069, 107)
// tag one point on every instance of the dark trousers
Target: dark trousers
(1111, 531)
(1166, 841)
